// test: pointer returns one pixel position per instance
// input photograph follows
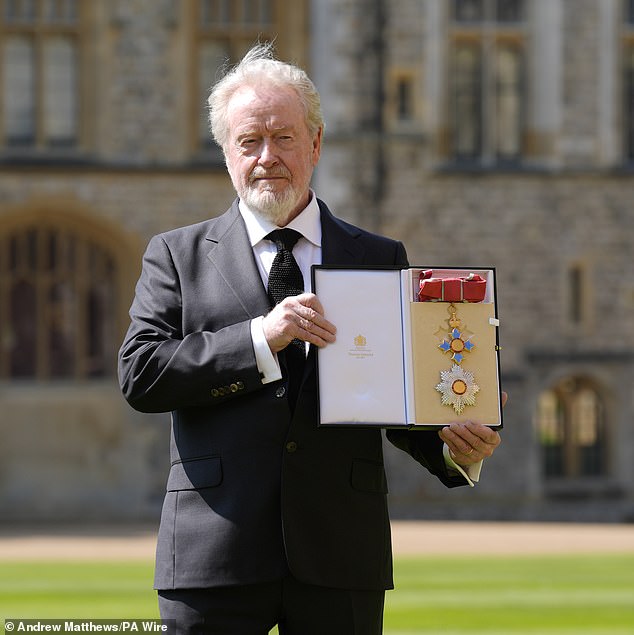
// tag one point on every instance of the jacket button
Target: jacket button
(291, 447)
(280, 391)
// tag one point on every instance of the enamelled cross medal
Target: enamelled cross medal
(457, 387)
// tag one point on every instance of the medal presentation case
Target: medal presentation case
(415, 348)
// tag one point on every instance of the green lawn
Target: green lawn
(77, 589)
(563, 594)
(575, 595)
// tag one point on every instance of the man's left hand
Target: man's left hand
(469, 442)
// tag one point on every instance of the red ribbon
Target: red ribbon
(471, 288)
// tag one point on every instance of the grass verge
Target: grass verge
(580, 595)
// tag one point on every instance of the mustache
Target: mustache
(262, 173)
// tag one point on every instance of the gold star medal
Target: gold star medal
(457, 386)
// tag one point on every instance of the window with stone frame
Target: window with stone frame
(41, 52)
(571, 429)
(224, 31)
(487, 41)
(577, 297)
(58, 301)
(628, 83)
(404, 99)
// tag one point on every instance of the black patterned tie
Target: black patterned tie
(285, 277)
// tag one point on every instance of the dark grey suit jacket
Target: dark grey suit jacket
(254, 489)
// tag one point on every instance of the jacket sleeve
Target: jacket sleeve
(426, 448)
(161, 368)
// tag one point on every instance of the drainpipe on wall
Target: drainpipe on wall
(379, 158)
(373, 184)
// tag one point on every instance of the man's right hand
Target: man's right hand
(298, 317)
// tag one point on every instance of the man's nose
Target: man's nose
(268, 155)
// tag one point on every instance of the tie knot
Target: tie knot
(284, 238)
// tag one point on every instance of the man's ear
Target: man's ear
(317, 145)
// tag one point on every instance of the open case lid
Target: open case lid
(361, 376)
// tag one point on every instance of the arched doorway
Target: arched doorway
(571, 427)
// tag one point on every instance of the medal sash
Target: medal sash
(469, 289)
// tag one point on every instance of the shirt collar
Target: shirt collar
(307, 222)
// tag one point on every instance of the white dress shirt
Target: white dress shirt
(307, 252)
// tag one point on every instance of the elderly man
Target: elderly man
(268, 518)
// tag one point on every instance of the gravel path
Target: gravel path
(409, 538)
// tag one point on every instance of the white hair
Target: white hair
(258, 67)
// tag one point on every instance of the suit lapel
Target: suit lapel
(338, 240)
(233, 257)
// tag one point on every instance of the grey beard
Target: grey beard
(275, 208)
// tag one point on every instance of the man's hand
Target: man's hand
(470, 442)
(301, 317)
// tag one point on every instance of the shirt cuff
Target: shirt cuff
(471, 472)
(266, 360)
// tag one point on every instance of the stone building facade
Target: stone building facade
(479, 132)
